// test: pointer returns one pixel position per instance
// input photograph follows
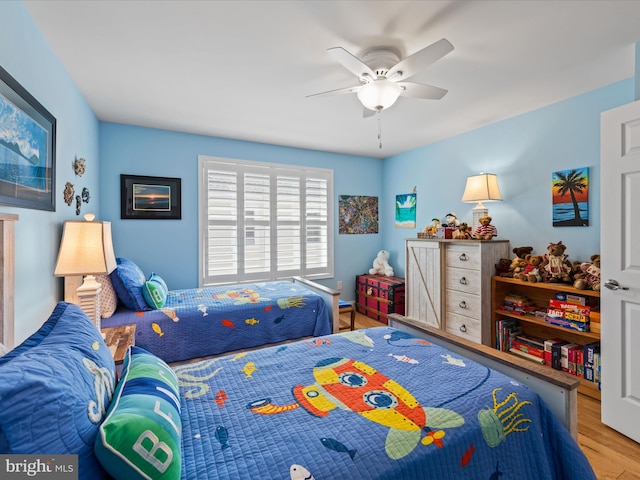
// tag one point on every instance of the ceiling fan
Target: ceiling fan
(383, 75)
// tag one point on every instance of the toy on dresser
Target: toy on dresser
(485, 231)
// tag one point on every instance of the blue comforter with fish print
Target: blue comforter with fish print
(371, 404)
(201, 322)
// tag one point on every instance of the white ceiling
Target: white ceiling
(243, 69)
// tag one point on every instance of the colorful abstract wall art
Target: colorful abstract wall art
(357, 214)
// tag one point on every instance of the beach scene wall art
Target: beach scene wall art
(570, 197)
(406, 210)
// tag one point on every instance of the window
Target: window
(263, 221)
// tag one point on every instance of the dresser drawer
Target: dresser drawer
(464, 327)
(463, 280)
(463, 256)
(463, 304)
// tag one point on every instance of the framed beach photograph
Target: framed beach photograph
(27, 148)
(155, 198)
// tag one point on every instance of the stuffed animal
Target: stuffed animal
(450, 220)
(485, 231)
(381, 265)
(531, 272)
(462, 232)
(589, 277)
(502, 268)
(556, 267)
(519, 261)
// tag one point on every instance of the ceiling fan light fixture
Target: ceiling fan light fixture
(379, 94)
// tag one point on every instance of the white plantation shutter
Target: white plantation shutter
(262, 221)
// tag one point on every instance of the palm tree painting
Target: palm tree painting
(570, 198)
(406, 210)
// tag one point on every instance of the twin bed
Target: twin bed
(375, 403)
(201, 322)
(379, 403)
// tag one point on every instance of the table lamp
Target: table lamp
(481, 188)
(86, 250)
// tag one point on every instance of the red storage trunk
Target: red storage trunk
(377, 296)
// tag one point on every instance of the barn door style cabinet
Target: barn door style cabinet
(448, 284)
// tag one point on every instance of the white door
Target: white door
(620, 255)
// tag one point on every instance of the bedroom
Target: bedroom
(562, 135)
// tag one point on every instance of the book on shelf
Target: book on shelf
(556, 354)
(548, 346)
(504, 327)
(580, 300)
(526, 355)
(591, 350)
(564, 355)
(569, 324)
(527, 349)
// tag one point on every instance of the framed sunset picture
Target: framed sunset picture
(570, 197)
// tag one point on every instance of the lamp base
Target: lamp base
(478, 212)
(89, 298)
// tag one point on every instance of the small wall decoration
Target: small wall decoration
(85, 195)
(68, 193)
(78, 204)
(27, 148)
(157, 198)
(406, 210)
(570, 197)
(357, 215)
(79, 166)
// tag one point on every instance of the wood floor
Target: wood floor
(611, 454)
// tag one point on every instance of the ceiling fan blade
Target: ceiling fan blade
(420, 90)
(338, 91)
(421, 59)
(351, 63)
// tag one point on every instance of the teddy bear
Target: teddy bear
(381, 265)
(462, 232)
(502, 268)
(485, 231)
(589, 276)
(520, 253)
(531, 272)
(556, 267)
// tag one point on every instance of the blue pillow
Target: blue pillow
(55, 389)
(128, 282)
(155, 291)
(141, 436)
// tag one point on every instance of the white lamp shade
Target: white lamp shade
(379, 94)
(482, 188)
(86, 249)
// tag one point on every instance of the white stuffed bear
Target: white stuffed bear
(381, 265)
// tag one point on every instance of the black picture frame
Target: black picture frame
(150, 198)
(28, 149)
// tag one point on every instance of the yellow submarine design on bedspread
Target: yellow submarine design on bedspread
(356, 387)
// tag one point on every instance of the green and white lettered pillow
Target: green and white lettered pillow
(141, 435)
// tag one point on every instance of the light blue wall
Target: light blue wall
(28, 58)
(170, 247)
(523, 151)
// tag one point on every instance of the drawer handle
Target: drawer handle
(463, 304)
(463, 280)
(463, 257)
(463, 328)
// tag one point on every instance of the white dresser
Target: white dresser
(448, 284)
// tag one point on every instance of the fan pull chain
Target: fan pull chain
(379, 130)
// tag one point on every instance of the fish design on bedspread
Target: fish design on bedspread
(242, 296)
(356, 387)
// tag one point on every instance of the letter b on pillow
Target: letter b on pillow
(141, 436)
